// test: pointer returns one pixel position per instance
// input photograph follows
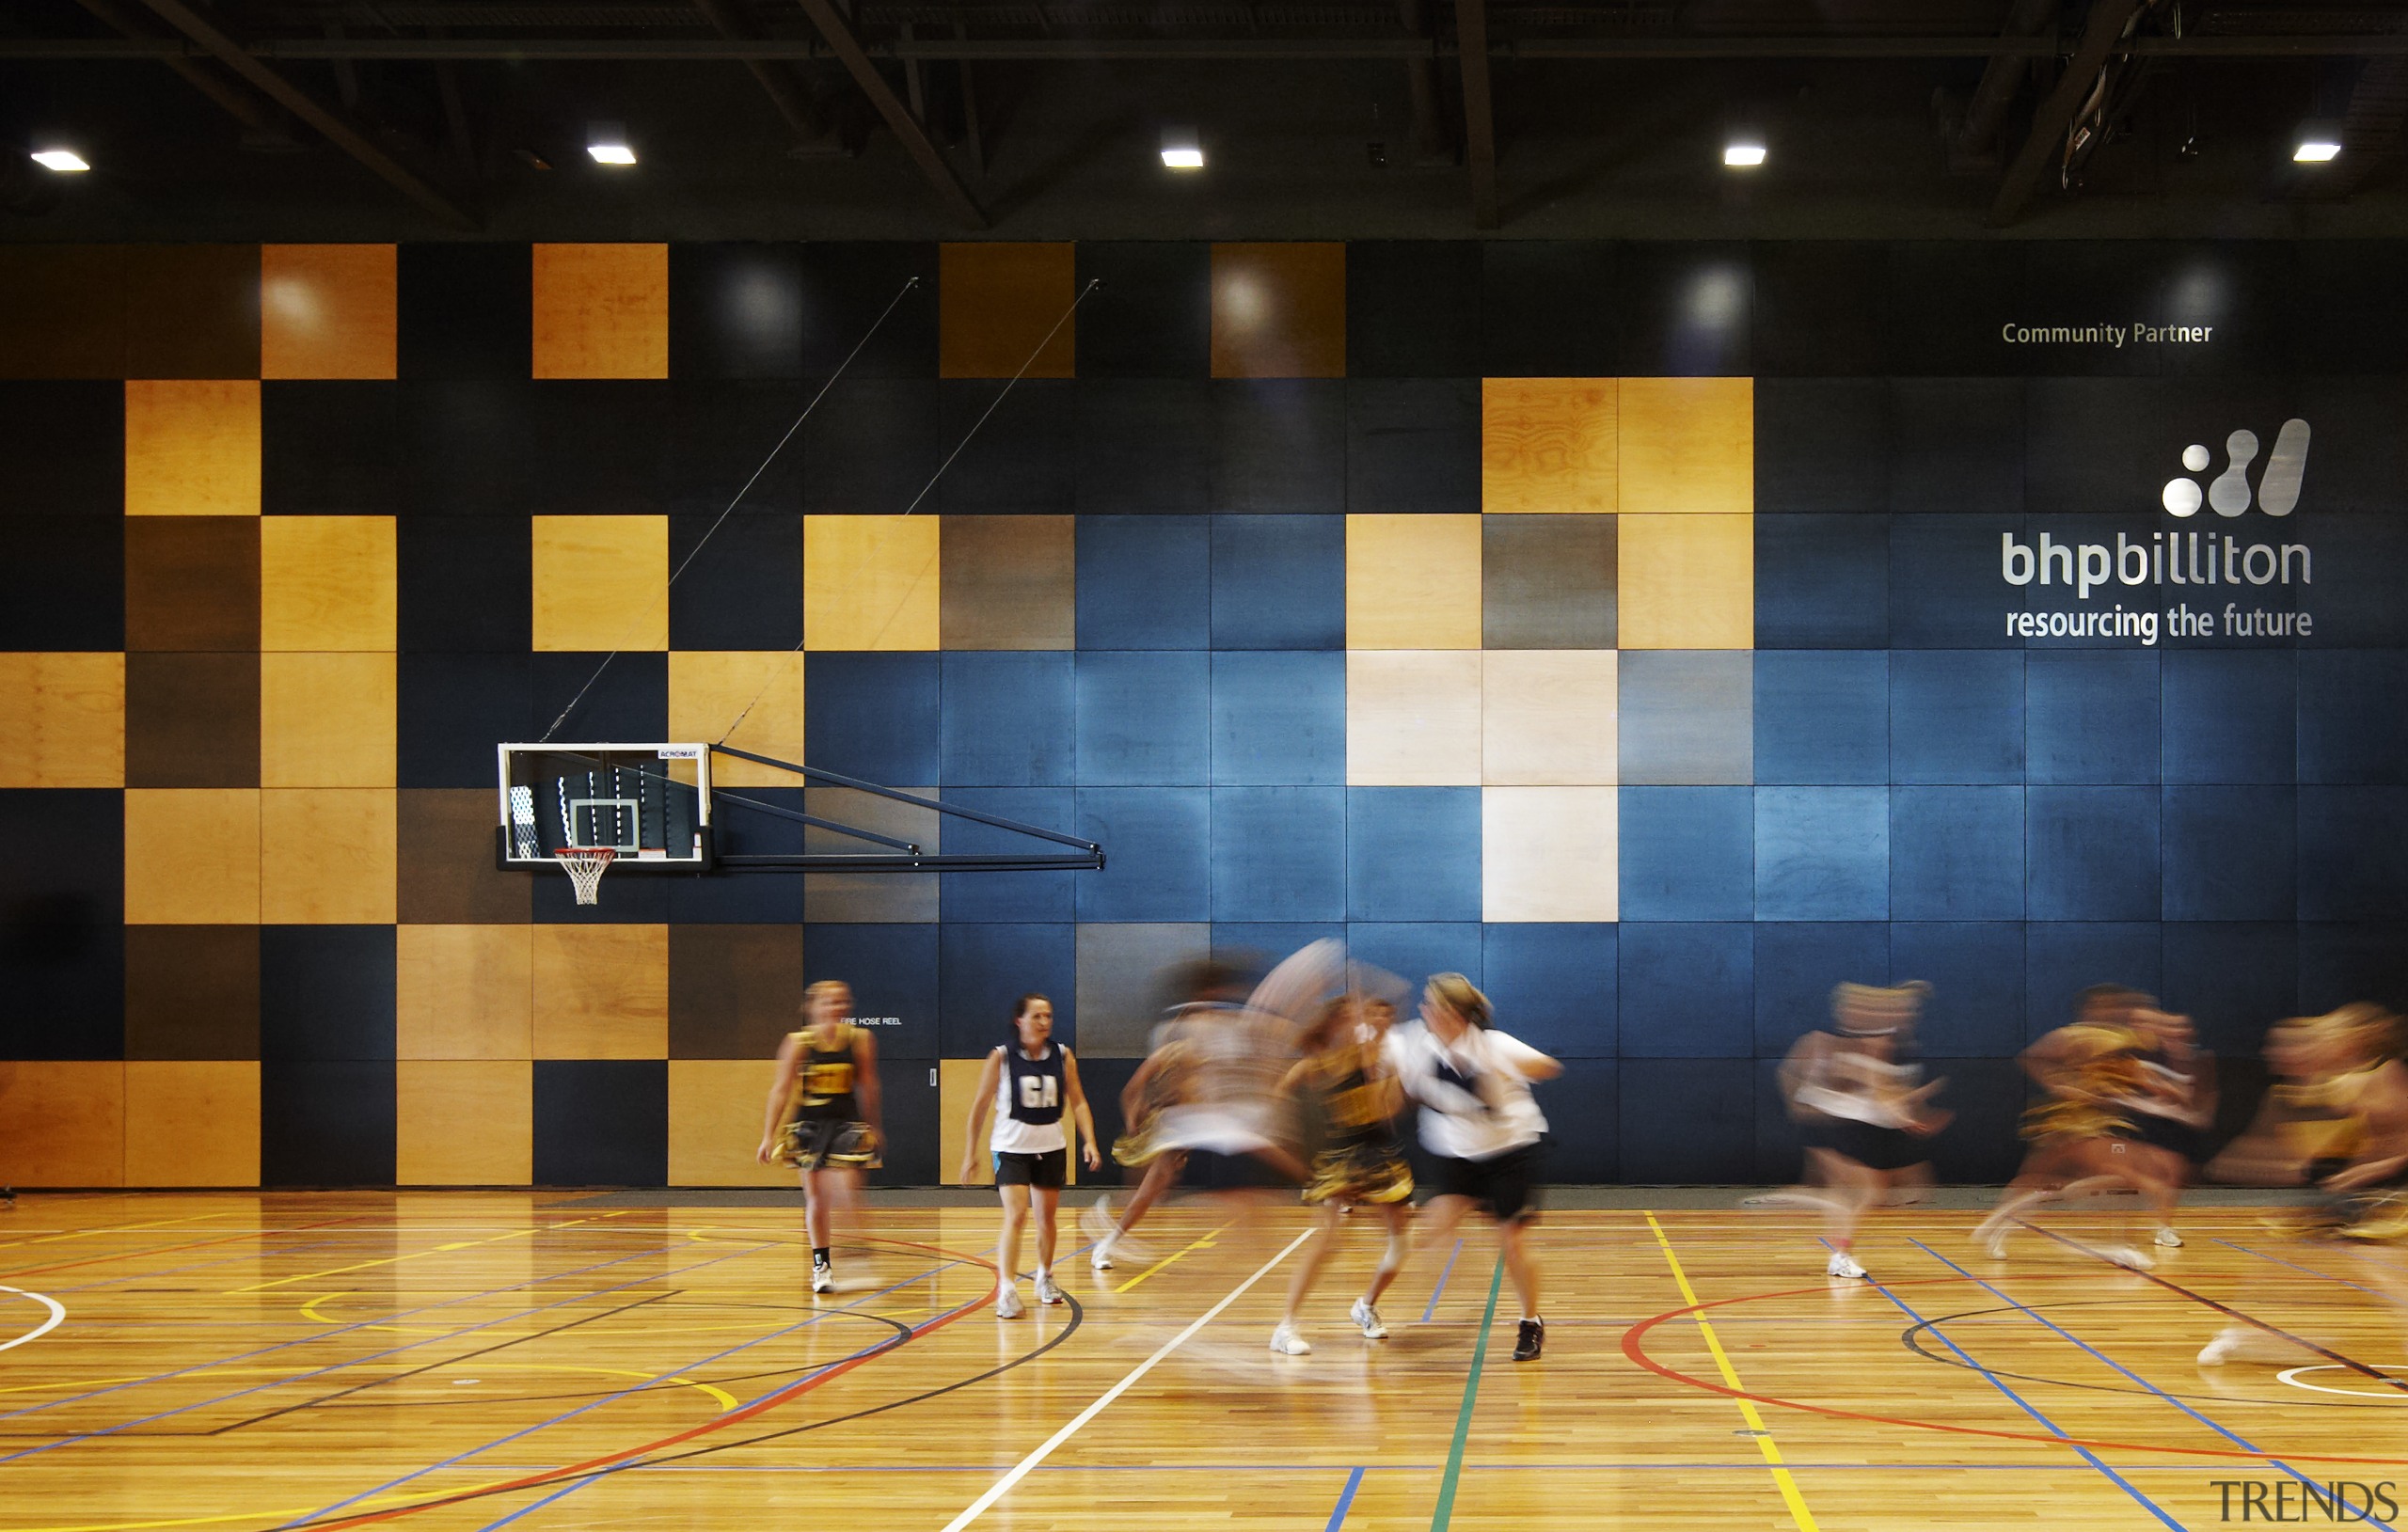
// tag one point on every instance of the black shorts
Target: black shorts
(1507, 1185)
(830, 1144)
(1872, 1146)
(2165, 1133)
(1048, 1170)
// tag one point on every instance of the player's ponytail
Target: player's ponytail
(1461, 996)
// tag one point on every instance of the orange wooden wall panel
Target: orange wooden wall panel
(62, 720)
(1550, 445)
(1279, 310)
(327, 310)
(192, 448)
(601, 311)
(192, 1122)
(328, 582)
(464, 991)
(601, 991)
(326, 856)
(192, 856)
(996, 302)
(464, 1122)
(63, 1123)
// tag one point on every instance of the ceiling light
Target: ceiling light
(1181, 151)
(608, 143)
(2316, 151)
(1743, 154)
(65, 161)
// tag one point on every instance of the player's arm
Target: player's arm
(1088, 1154)
(774, 1116)
(865, 1080)
(1803, 1063)
(1132, 1095)
(1528, 1062)
(982, 1100)
(2045, 1061)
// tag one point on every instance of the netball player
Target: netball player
(2084, 1136)
(1862, 1106)
(2174, 1105)
(1028, 1084)
(1210, 1084)
(1346, 1084)
(823, 1114)
(1480, 1127)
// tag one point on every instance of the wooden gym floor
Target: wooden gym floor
(473, 1361)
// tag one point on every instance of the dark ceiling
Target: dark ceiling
(1042, 118)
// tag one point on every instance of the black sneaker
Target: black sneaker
(1526, 1342)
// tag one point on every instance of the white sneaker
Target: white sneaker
(1007, 1303)
(1993, 1243)
(1284, 1341)
(1048, 1290)
(1842, 1264)
(1366, 1319)
(2129, 1258)
(2223, 1347)
(2167, 1239)
(1101, 1257)
(823, 1278)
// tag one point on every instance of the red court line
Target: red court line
(171, 1250)
(1633, 1347)
(760, 1406)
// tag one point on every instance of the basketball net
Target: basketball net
(585, 865)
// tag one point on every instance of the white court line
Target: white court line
(1021, 1470)
(57, 1313)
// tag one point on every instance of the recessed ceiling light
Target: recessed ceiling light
(608, 143)
(65, 161)
(1181, 151)
(1742, 155)
(2316, 151)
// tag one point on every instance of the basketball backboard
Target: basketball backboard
(649, 803)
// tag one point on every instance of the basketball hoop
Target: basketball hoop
(585, 865)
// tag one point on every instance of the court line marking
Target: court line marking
(112, 1229)
(1634, 1347)
(168, 1250)
(2035, 1315)
(2325, 1351)
(1441, 1288)
(1790, 1494)
(1345, 1500)
(1045, 1449)
(58, 1317)
(2028, 1408)
(1203, 1241)
(1445, 1510)
(437, 1250)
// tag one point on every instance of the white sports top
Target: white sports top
(1039, 1084)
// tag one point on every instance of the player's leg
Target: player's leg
(817, 1223)
(1046, 1207)
(1162, 1173)
(1285, 1337)
(1522, 1269)
(1015, 1200)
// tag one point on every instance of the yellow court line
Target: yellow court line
(389, 1260)
(1780, 1474)
(309, 1310)
(1201, 1243)
(115, 1229)
(726, 1401)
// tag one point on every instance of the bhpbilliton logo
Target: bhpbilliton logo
(2228, 493)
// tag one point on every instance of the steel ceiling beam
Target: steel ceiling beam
(199, 73)
(1479, 122)
(1138, 49)
(786, 89)
(923, 150)
(305, 107)
(2099, 32)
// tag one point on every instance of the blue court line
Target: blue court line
(352, 1362)
(1345, 1500)
(2232, 1436)
(196, 1266)
(2086, 1455)
(575, 1484)
(1442, 1282)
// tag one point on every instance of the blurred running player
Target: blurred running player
(2176, 1104)
(1028, 1084)
(2084, 1136)
(823, 1114)
(1482, 1128)
(1210, 1080)
(1347, 1086)
(1861, 1100)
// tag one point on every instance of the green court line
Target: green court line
(1446, 1511)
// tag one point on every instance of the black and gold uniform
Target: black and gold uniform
(2104, 1070)
(1361, 1158)
(824, 1127)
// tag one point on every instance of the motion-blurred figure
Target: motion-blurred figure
(1862, 1101)
(1349, 1095)
(1210, 1082)
(2084, 1136)
(1482, 1128)
(2174, 1105)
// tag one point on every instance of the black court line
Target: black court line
(1078, 1318)
(2327, 1352)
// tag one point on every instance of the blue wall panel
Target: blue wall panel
(1144, 583)
(1007, 719)
(1688, 853)
(2092, 716)
(1412, 854)
(1278, 853)
(1555, 985)
(1797, 965)
(1955, 853)
(1144, 718)
(1688, 989)
(1278, 582)
(1957, 717)
(1279, 719)
(1822, 717)
(1822, 853)
(2091, 853)
(1156, 866)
